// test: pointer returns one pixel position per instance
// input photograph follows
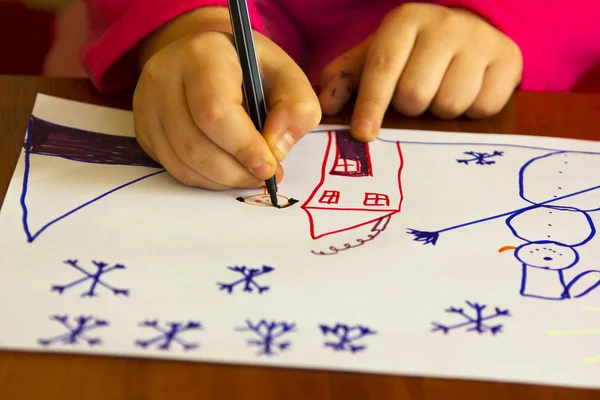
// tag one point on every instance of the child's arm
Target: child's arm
(118, 27)
(559, 40)
(44, 5)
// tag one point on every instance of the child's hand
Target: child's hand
(189, 114)
(424, 56)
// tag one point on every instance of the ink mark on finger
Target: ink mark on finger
(345, 74)
(333, 92)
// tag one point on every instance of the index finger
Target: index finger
(385, 60)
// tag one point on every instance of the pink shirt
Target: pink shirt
(559, 39)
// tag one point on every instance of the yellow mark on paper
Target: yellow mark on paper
(592, 360)
(589, 360)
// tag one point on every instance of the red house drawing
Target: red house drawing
(360, 186)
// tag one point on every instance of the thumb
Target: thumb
(341, 77)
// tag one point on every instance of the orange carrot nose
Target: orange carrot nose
(506, 248)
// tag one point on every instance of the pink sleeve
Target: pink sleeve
(117, 26)
(559, 39)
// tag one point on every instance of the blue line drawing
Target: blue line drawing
(169, 334)
(562, 199)
(269, 333)
(480, 158)
(248, 280)
(347, 336)
(473, 323)
(95, 279)
(460, 144)
(47, 139)
(77, 332)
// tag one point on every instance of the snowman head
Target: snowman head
(546, 254)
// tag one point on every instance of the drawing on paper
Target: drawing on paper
(380, 226)
(552, 227)
(346, 337)
(93, 277)
(346, 158)
(264, 200)
(480, 158)
(267, 336)
(77, 330)
(248, 280)
(52, 140)
(589, 360)
(168, 334)
(473, 320)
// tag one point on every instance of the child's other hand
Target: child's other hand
(424, 56)
(189, 113)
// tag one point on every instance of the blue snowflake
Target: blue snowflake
(347, 336)
(473, 323)
(269, 334)
(169, 334)
(94, 277)
(76, 332)
(249, 274)
(480, 158)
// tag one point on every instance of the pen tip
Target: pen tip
(271, 187)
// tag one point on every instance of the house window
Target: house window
(351, 156)
(345, 166)
(330, 197)
(376, 199)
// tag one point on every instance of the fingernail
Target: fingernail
(284, 143)
(364, 128)
(261, 170)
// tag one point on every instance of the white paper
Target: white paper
(171, 251)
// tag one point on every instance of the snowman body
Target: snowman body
(562, 196)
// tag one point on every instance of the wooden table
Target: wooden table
(49, 376)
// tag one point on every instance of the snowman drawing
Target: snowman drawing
(562, 195)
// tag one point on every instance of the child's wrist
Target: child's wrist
(200, 20)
